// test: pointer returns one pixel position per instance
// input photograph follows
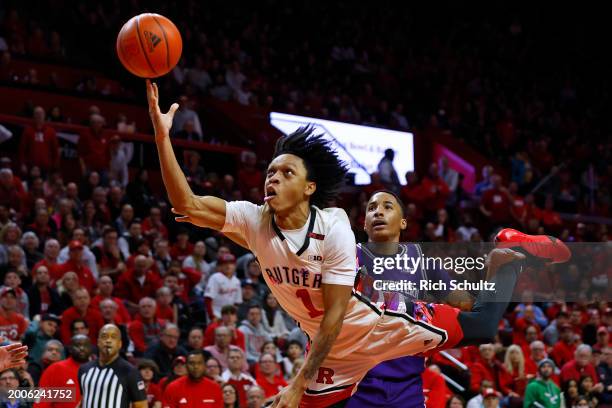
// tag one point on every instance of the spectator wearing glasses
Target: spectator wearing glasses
(166, 349)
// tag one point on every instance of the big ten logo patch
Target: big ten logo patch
(325, 376)
(315, 258)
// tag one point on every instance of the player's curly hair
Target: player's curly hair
(323, 166)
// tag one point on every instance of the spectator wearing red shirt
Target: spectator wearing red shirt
(267, 377)
(179, 291)
(413, 232)
(517, 203)
(581, 365)
(105, 291)
(603, 339)
(43, 226)
(50, 253)
(99, 198)
(434, 387)
(165, 309)
(564, 350)
(433, 192)
(64, 374)
(514, 362)
(108, 254)
(229, 319)
(12, 324)
(376, 184)
(82, 309)
(148, 370)
(236, 376)
(39, 145)
(524, 335)
(145, 329)
(193, 390)
(187, 278)
(495, 202)
(530, 211)
(411, 192)
(578, 318)
(75, 264)
(249, 176)
(550, 218)
(153, 227)
(182, 248)
(94, 153)
(138, 282)
(537, 353)
(10, 195)
(487, 368)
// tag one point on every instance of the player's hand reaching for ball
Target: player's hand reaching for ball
(12, 356)
(162, 122)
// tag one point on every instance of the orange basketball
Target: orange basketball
(149, 45)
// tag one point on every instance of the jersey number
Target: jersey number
(305, 297)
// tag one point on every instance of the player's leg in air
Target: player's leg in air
(397, 383)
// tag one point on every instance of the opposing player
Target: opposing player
(397, 383)
(308, 258)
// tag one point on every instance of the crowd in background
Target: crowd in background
(103, 248)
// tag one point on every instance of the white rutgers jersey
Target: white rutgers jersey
(369, 335)
(295, 275)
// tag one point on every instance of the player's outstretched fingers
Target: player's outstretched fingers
(180, 217)
(12, 355)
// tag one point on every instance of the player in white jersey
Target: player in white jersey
(308, 258)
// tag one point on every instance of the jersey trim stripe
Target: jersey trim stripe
(328, 390)
(313, 216)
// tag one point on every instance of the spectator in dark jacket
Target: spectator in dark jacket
(166, 349)
(43, 298)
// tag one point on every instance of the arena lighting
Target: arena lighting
(360, 146)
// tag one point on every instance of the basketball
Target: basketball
(149, 45)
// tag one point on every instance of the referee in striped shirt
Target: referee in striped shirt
(110, 381)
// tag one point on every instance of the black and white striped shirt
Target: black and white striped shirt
(112, 386)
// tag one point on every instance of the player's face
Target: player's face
(383, 221)
(286, 185)
(196, 368)
(109, 342)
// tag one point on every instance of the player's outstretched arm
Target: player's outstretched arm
(335, 302)
(12, 356)
(204, 211)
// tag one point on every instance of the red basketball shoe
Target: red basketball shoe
(543, 247)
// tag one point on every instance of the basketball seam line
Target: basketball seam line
(166, 41)
(127, 60)
(144, 51)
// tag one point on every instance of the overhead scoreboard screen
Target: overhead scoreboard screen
(360, 146)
